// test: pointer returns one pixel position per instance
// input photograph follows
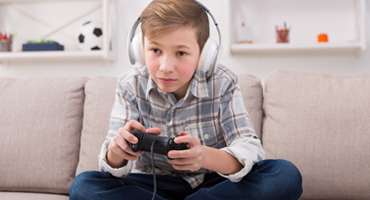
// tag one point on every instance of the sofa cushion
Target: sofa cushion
(40, 128)
(252, 92)
(321, 123)
(31, 196)
(100, 93)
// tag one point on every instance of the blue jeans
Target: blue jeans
(269, 179)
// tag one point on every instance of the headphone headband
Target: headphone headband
(130, 37)
(219, 48)
(209, 70)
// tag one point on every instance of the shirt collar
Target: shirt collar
(151, 85)
(198, 86)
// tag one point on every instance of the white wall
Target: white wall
(258, 64)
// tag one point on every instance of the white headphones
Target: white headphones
(208, 58)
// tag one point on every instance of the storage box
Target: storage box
(54, 46)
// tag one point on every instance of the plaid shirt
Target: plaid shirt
(212, 111)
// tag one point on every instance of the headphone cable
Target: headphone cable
(154, 176)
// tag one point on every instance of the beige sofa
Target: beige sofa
(51, 129)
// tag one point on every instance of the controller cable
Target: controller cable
(154, 176)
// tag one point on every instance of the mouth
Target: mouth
(166, 80)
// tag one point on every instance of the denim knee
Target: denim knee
(292, 172)
(81, 185)
(77, 184)
(290, 179)
(277, 179)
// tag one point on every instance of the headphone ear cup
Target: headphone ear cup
(136, 51)
(208, 57)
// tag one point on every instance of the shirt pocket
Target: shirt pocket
(207, 133)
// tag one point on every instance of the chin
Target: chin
(168, 90)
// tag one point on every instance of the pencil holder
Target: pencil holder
(282, 36)
(5, 45)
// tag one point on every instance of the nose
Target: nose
(167, 64)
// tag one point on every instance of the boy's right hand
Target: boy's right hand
(120, 151)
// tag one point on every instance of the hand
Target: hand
(120, 151)
(201, 156)
(191, 159)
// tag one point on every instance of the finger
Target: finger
(122, 154)
(182, 133)
(187, 139)
(124, 146)
(186, 166)
(176, 154)
(126, 135)
(117, 150)
(132, 157)
(180, 161)
(127, 149)
(134, 125)
(156, 131)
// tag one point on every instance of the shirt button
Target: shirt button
(206, 136)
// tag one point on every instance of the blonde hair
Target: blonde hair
(164, 15)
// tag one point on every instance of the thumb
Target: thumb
(180, 139)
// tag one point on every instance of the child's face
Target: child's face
(171, 59)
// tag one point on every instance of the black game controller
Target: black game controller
(162, 144)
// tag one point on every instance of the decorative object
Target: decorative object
(323, 37)
(282, 34)
(245, 34)
(90, 36)
(41, 45)
(6, 41)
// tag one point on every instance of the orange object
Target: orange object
(322, 37)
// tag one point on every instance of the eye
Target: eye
(156, 51)
(181, 53)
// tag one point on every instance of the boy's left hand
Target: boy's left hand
(190, 159)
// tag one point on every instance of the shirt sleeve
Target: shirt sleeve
(242, 142)
(105, 167)
(124, 110)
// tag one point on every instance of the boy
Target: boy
(171, 97)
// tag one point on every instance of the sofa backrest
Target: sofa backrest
(100, 94)
(252, 92)
(321, 124)
(40, 129)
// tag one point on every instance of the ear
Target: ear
(137, 49)
(208, 57)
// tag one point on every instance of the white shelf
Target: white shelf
(54, 55)
(108, 18)
(32, 1)
(342, 20)
(319, 47)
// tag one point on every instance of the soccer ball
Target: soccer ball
(90, 36)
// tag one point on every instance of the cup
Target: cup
(5, 45)
(282, 35)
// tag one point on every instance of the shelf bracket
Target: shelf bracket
(72, 20)
(55, 29)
